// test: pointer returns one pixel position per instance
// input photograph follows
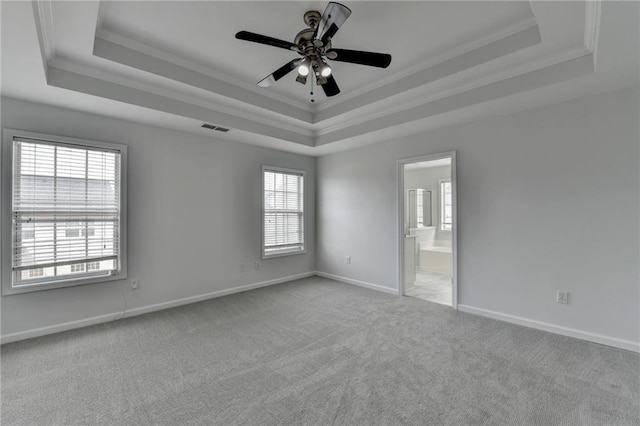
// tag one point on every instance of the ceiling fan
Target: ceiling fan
(313, 44)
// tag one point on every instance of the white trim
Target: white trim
(592, 25)
(428, 95)
(43, 17)
(220, 105)
(123, 43)
(71, 325)
(51, 329)
(553, 328)
(420, 103)
(511, 30)
(454, 233)
(116, 87)
(357, 282)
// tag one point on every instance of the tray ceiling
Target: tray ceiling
(178, 63)
(419, 31)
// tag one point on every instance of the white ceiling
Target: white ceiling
(210, 41)
(178, 65)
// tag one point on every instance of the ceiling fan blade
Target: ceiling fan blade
(278, 74)
(262, 39)
(331, 87)
(332, 19)
(372, 59)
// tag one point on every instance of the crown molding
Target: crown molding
(508, 31)
(149, 63)
(131, 43)
(74, 66)
(43, 15)
(80, 82)
(100, 16)
(496, 49)
(428, 95)
(579, 66)
(592, 26)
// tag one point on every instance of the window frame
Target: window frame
(267, 168)
(441, 223)
(6, 180)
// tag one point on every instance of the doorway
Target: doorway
(428, 229)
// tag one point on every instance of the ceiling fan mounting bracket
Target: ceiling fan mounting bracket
(304, 39)
(312, 18)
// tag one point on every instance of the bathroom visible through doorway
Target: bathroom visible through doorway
(428, 248)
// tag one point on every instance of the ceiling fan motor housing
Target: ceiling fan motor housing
(304, 38)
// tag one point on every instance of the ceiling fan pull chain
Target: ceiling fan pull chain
(312, 100)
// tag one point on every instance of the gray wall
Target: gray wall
(194, 216)
(547, 198)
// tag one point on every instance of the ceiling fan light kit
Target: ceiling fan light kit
(304, 67)
(313, 44)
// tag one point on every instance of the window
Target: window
(64, 223)
(423, 207)
(419, 208)
(35, 273)
(28, 232)
(283, 212)
(78, 229)
(79, 267)
(446, 211)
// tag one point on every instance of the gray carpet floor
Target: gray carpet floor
(312, 352)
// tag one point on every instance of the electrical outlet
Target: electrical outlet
(134, 283)
(348, 260)
(562, 297)
(256, 266)
(242, 267)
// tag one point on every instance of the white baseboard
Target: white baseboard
(358, 283)
(193, 299)
(57, 328)
(565, 331)
(553, 328)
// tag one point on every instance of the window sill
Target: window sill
(52, 285)
(283, 254)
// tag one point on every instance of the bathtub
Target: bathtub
(434, 258)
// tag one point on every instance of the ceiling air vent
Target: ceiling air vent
(212, 127)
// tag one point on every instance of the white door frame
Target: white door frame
(401, 213)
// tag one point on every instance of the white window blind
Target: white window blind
(420, 208)
(283, 218)
(66, 212)
(446, 210)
